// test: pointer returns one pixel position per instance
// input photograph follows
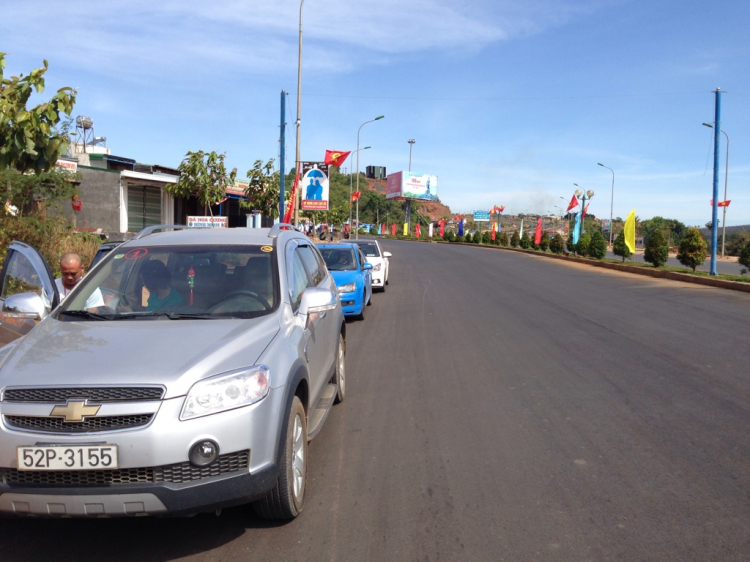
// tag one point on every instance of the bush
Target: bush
(504, 239)
(569, 243)
(477, 238)
(449, 236)
(557, 244)
(745, 258)
(515, 240)
(656, 251)
(51, 236)
(598, 246)
(487, 238)
(693, 249)
(582, 248)
(374, 230)
(525, 241)
(458, 238)
(544, 243)
(620, 248)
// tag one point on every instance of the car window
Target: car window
(362, 259)
(312, 265)
(370, 249)
(339, 259)
(300, 279)
(238, 281)
(21, 277)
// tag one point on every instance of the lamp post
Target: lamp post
(611, 201)
(726, 178)
(411, 145)
(583, 196)
(350, 190)
(358, 131)
(299, 116)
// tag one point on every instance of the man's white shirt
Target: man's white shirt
(94, 301)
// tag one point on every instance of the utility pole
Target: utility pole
(715, 206)
(282, 148)
(299, 116)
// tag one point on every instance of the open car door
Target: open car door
(27, 291)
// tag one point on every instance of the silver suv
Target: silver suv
(215, 359)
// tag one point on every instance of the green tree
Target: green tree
(32, 139)
(744, 259)
(693, 249)
(672, 230)
(202, 174)
(487, 237)
(736, 241)
(504, 239)
(598, 247)
(525, 241)
(557, 244)
(569, 242)
(515, 240)
(263, 190)
(582, 247)
(544, 243)
(620, 248)
(656, 251)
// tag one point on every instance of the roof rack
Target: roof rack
(275, 229)
(150, 229)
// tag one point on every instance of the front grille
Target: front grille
(180, 473)
(88, 425)
(95, 394)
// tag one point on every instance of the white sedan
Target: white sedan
(379, 260)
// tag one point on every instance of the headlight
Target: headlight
(348, 288)
(376, 267)
(226, 392)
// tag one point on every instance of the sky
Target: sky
(510, 103)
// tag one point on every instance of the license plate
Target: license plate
(63, 457)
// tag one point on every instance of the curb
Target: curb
(648, 272)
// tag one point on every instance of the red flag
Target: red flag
(336, 157)
(722, 203)
(538, 236)
(493, 235)
(356, 195)
(457, 218)
(573, 204)
(419, 231)
(502, 208)
(290, 206)
(393, 229)
(442, 228)
(586, 210)
(76, 203)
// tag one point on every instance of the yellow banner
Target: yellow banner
(630, 231)
(406, 229)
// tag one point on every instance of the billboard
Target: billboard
(314, 186)
(481, 216)
(411, 186)
(207, 222)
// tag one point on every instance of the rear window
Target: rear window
(370, 249)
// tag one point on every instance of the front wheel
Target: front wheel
(287, 498)
(361, 315)
(339, 375)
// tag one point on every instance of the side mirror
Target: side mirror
(367, 266)
(24, 305)
(387, 254)
(317, 299)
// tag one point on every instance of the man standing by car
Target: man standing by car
(71, 269)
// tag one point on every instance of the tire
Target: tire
(287, 498)
(339, 375)
(369, 303)
(361, 315)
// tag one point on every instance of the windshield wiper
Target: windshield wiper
(169, 315)
(85, 314)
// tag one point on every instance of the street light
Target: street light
(350, 190)
(358, 131)
(299, 117)
(611, 201)
(726, 177)
(411, 145)
(582, 196)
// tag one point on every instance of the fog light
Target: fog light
(203, 453)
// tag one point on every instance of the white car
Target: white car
(379, 260)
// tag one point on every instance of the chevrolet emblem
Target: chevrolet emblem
(74, 411)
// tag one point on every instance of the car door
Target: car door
(315, 346)
(367, 275)
(25, 273)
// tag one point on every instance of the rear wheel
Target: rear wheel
(339, 376)
(287, 498)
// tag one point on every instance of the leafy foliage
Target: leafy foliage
(33, 192)
(525, 241)
(584, 241)
(735, 242)
(263, 189)
(656, 251)
(515, 240)
(672, 230)
(620, 248)
(557, 244)
(569, 242)
(544, 243)
(487, 237)
(32, 139)
(744, 259)
(693, 249)
(504, 239)
(598, 247)
(202, 174)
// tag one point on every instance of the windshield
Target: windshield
(339, 259)
(370, 249)
(178, 282)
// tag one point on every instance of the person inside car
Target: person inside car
(158, 281)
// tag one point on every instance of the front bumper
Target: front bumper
(122, 500)
(351, 303)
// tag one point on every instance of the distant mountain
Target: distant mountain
(730, 229)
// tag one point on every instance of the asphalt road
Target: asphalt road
(500, 406)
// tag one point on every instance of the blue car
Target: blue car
(353, 276)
